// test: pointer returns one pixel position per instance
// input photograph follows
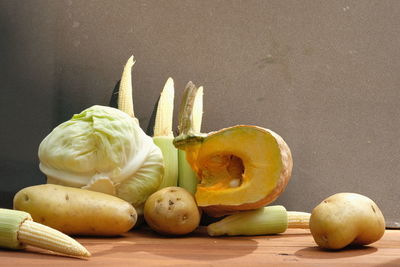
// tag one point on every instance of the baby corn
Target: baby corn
(17, 229)
(163, 136)
(264, 221)
(125, 102)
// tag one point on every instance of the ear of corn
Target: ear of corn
(125, 101)
(198, 110)
(165, 110)
(187, 177)
(39, 235)
(163, 136)
(264, 221)
(18, 230)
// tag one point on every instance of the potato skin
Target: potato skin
(172, 211)
(346, 218)
(76, 211)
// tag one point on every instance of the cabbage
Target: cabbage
(103, 149)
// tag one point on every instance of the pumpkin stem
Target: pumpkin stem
(185, 117)
(188, 132)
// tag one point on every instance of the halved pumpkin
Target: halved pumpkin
(239, 168)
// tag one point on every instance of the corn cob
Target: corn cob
(163, 136)
(17, 229)
(298, 219)
(264, 221)
(198, 110)
(187, 177)
(125, 102)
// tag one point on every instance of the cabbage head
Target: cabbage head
(103, 149)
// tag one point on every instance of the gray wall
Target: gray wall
(322, 74)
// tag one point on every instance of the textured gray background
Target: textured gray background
(322, 74)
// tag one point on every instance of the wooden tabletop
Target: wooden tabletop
(145, 248)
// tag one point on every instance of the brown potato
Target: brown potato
(76, 211)
(172, 211)
(346, 218)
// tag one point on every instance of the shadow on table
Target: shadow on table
(189, 247)
(318, 253)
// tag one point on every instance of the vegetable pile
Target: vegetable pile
(105, 175)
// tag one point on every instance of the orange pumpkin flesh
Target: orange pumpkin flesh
(239, 168)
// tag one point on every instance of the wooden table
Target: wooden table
(145, 248)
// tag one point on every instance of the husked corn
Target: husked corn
(125, 101)
(17, 229)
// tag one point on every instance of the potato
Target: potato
(76, 211)
(172, 211)
(346, 218)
